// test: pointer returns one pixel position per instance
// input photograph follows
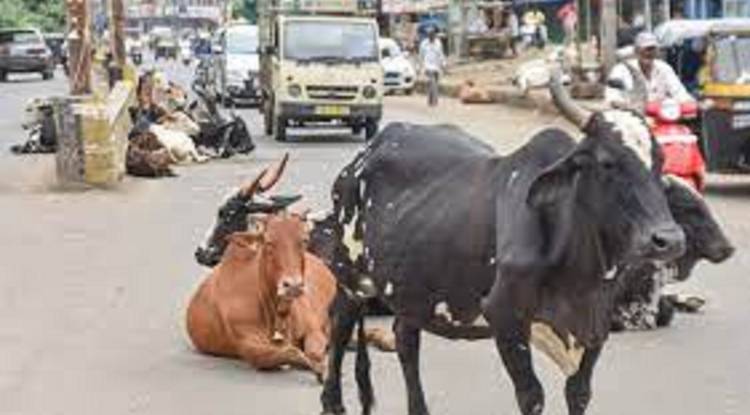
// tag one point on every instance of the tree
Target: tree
(47, 15)
(244, 9)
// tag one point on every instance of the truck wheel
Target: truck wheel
(371, 128)
(48, 74)
(226, 100)
(268, 117)
(357, 129)
(3, 76)
(279, 127)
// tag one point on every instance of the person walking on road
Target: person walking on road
(433, 62)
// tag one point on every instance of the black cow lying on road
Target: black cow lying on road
(467, 244)
(641, 305)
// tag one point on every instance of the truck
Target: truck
(319, 66)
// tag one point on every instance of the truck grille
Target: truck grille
(332, 92)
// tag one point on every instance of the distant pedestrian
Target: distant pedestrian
(513, 27)
(433, 62)
(568, 15)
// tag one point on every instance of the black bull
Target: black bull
(467, 244)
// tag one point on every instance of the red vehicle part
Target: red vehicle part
(682, 154)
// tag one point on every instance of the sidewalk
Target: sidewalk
(496, 77)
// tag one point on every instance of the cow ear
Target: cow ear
(553, 183)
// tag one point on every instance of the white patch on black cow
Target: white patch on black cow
(210, 231)
(635, 134)
(443, 311)
(355, 247)
(388, 291)
(565, 353)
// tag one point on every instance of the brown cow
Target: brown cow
(147, 157)
(267, 301)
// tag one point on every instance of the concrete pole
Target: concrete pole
(608, 34)
(79, 45)
(118, 32)
(648, 14)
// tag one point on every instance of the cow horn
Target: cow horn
(565, 103)
(266, 179)
(275, 174)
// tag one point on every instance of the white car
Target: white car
(399, 72)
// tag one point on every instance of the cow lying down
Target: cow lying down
(524, 249)
(267, 300)
(641, 304)
(147, 157)
(295, 325)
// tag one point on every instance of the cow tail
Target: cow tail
(362, 368)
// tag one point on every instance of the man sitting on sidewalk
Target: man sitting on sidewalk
(433, 62)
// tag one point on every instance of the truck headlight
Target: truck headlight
(294, 90)
(369, 92)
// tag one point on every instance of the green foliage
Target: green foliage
(47, 15)
(243, 9)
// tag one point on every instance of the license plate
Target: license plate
(741, 121)
(332, 110)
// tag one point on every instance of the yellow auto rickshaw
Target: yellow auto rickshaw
(712, 57)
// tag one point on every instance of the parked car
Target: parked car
(236, 58)
(399, 72)
(24, 50)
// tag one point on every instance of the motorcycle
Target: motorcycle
(186, 54)
(681, 148)
(225, 135)
(136, 56)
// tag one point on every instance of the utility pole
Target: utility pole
(118, 33)
(608, 34)
(79, 46)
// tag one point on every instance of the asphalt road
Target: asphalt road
(93, 287)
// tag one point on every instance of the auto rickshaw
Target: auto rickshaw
(712, 58)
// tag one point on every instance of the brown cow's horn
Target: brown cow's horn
(270, 180)
(565, 103)
(266, 179)
(252, 188)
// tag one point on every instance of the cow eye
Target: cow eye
(608, 165)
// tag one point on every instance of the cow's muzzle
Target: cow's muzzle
(719, 252)
(664, 243)
(291, 287)
(207, 257)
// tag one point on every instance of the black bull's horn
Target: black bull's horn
(564, 102)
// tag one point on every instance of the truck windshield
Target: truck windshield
(324, 41)
(733, 60)
(242, 42)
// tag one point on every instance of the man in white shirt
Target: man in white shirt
(659, 78)
(433, 63)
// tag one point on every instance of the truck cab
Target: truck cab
(320, 69)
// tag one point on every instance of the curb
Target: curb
(503, 95)
(508, 95)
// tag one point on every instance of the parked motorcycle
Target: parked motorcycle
(681, 147)
(225, 134)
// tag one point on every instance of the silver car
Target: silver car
(236, 58)
(24, 50)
